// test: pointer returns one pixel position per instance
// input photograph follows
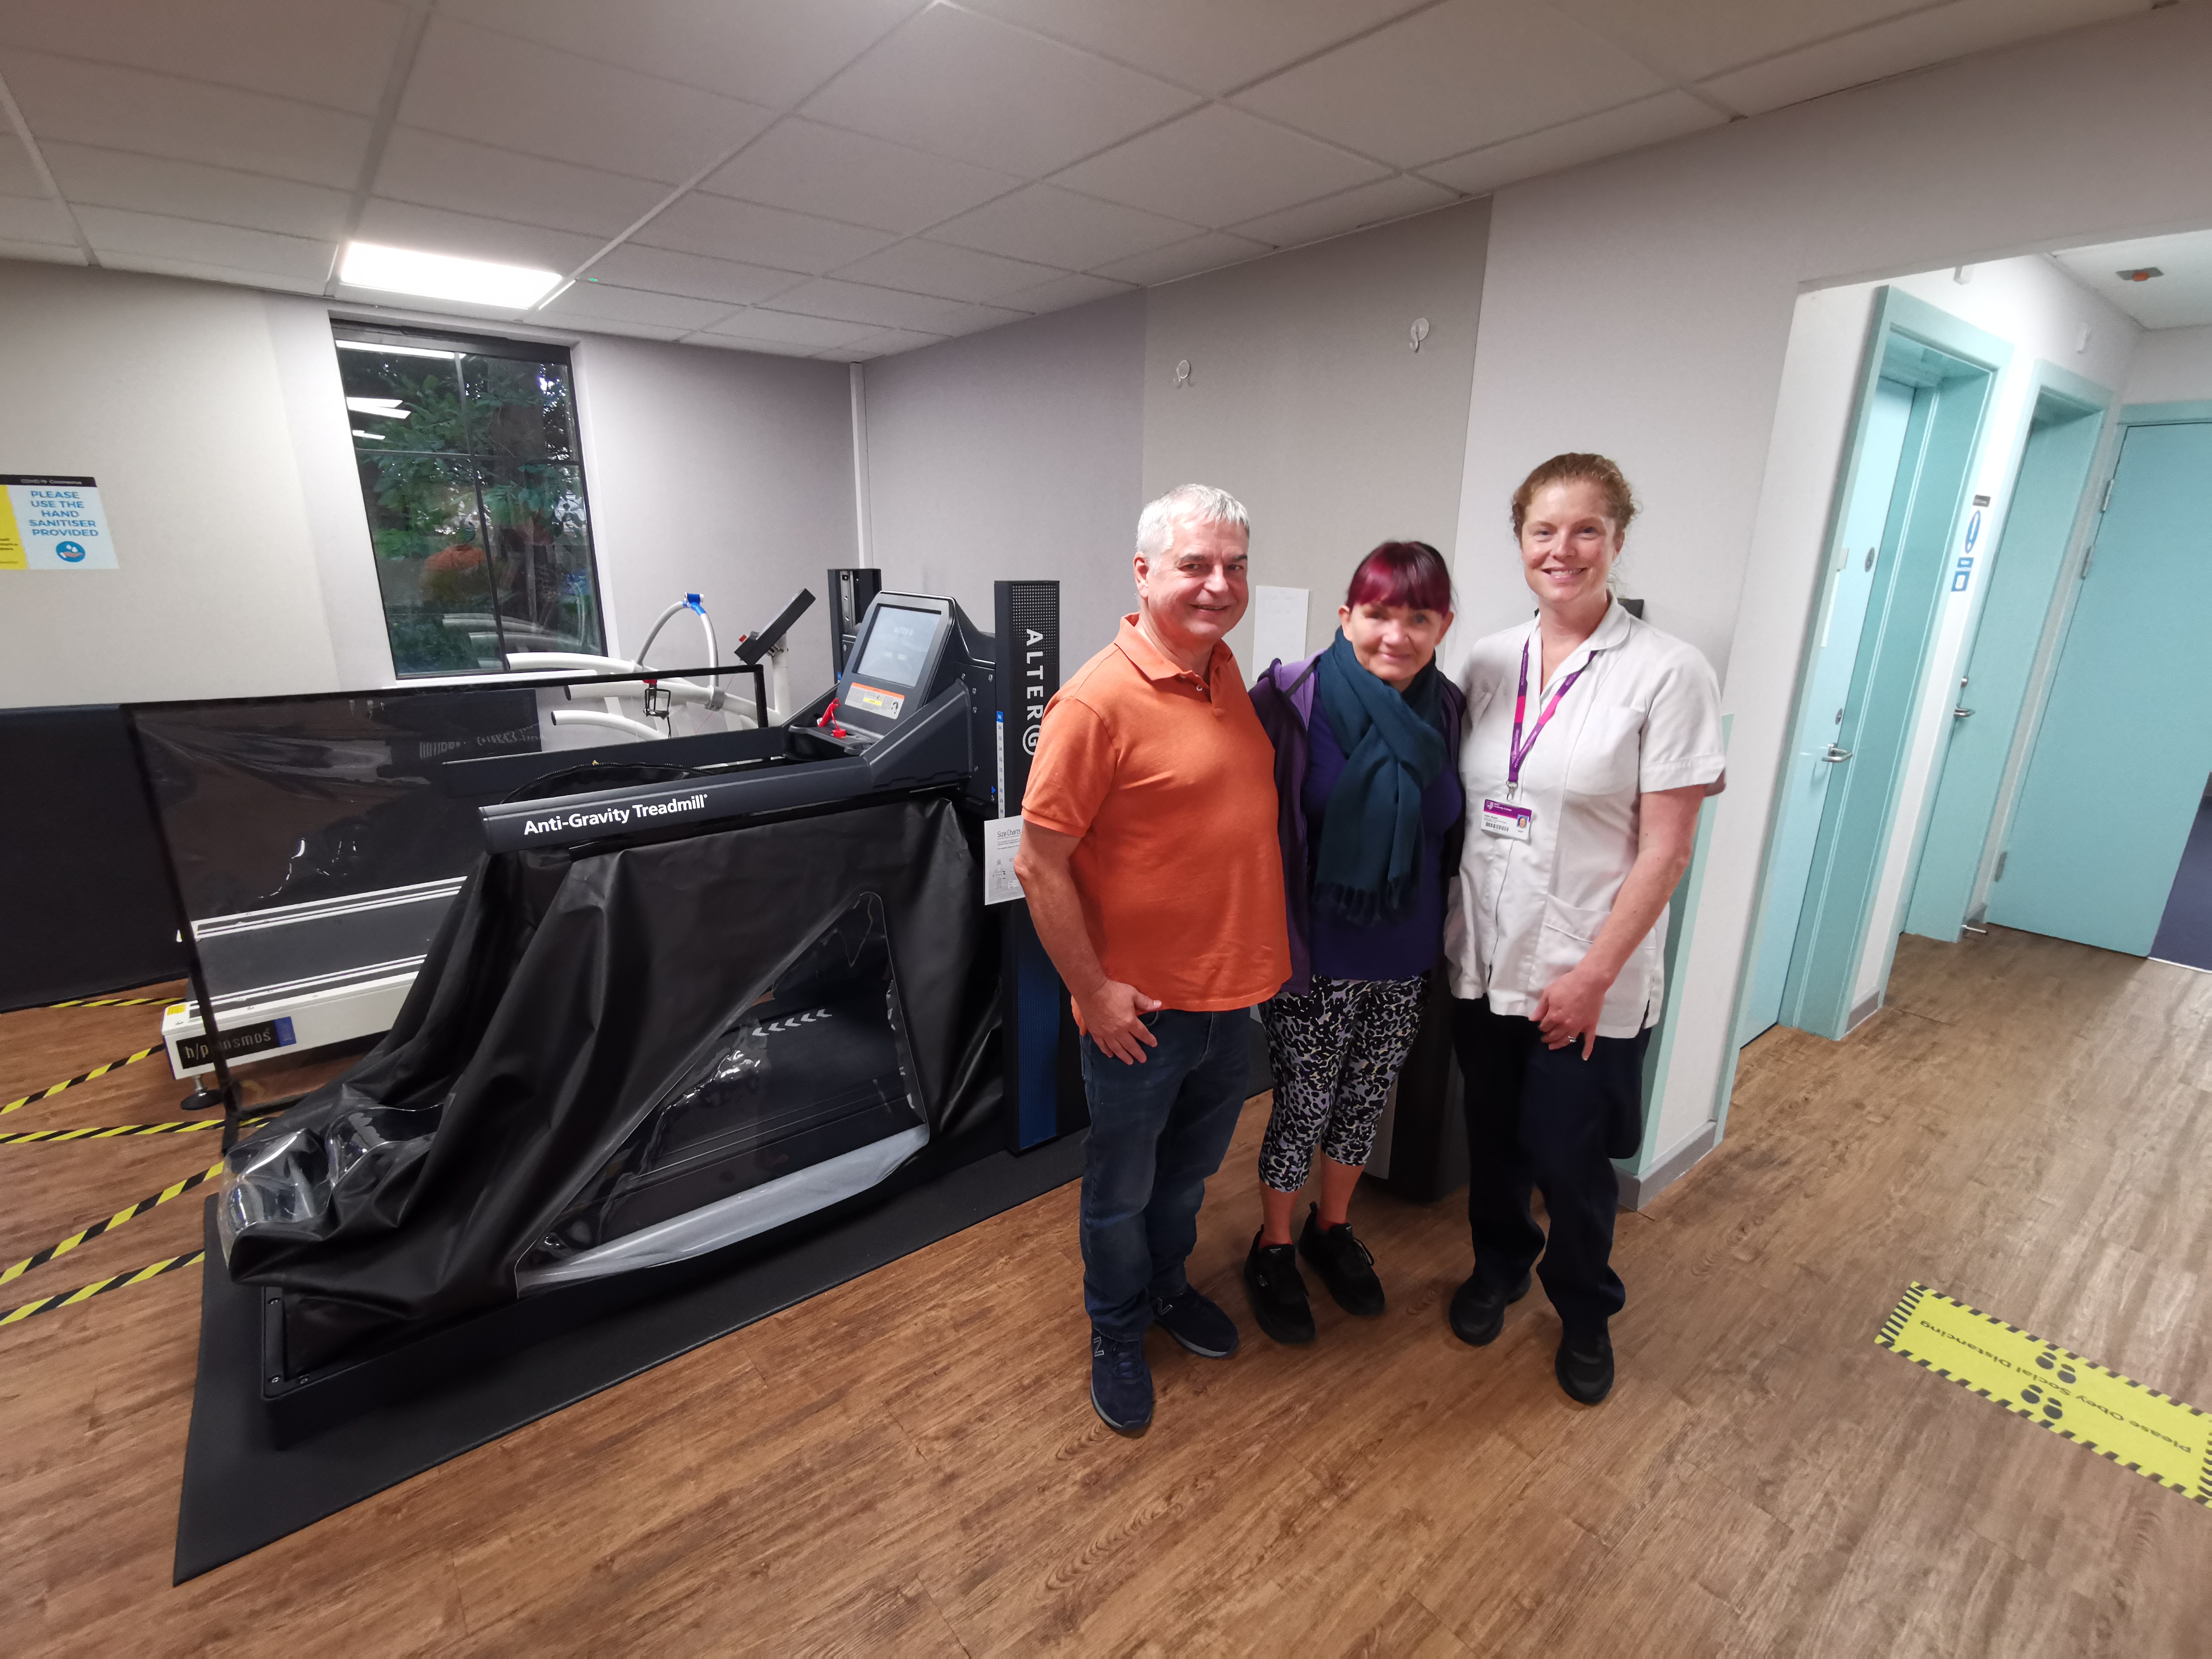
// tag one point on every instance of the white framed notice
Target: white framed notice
(1279, 625)
(50, 523)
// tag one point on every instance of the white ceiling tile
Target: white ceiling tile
(161, 115)
(1905, 43)
(1217, 166)
(883, 343)
(666, 272)
(789, 329)
(191, 190)
(605, 303)
(336, 53)
(434, 230)
(1363, 204)
(772, 51)
(856, 302)
(1463, 73)
(960, 85)
(627, 331)
(1054, 226)
(921, 267)
(2180, 297)
(297, 260)
(1649, 121)
(725, 229)
(1064, 291)
(17, 176)
(432, 170)
(812, 169)
(965, 318)
(471, 83)
(1214, 46)
(1211, 250)
(52, 254)
(736, 343)
(1698, 38)
(35, 219)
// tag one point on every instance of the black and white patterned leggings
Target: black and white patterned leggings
(1334, 1053)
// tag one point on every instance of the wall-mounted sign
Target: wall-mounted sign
(52, 523)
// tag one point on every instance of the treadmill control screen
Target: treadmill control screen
(899, 645)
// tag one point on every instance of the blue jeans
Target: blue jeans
(1157, 1131)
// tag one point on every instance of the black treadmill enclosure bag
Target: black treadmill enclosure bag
(560, 1000)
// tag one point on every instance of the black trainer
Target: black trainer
(1120, 1383)
(1200, 1325)
(1278, 1292)
(1478, 1310)
(1584, 1367)
(1345, 1265)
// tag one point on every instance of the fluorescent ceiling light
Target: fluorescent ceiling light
(388, 409)
(442, 277)
(374, 437)
(395, 351)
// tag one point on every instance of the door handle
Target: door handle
(1962, 714)
(1835, 754)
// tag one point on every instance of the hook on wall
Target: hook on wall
(1420, 331)
(1182, 373)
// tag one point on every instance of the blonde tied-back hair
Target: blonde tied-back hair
(1577, 467)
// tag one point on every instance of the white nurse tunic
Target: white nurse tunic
(1643, 716)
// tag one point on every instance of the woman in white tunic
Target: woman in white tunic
(1591, 738)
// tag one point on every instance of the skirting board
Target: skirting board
(1637, 1191)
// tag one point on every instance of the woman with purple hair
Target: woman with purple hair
(1369, 810)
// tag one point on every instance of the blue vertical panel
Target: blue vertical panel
(2120, 760)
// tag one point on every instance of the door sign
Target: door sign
(52, 523)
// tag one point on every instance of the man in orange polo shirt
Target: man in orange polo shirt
(1149, 855)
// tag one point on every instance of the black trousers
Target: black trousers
(1546, 1119)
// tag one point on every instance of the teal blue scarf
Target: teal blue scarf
(1367, 867)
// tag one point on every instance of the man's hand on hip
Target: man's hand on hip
(1113, 1015)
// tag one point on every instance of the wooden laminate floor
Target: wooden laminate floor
(909, 1465)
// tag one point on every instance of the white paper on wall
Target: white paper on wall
(1279, 625)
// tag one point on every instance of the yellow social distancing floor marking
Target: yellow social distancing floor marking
(2138, 1428)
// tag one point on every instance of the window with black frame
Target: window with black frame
(474, 483)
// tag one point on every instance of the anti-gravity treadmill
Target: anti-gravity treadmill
(694, 993)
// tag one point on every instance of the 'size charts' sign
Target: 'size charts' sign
(52, 523)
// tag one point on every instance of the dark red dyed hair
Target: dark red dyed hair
(1411, 573)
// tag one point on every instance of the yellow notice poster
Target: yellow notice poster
(11, 538)
(2138, 1428)
(50, 523)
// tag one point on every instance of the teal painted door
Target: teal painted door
(2120, 760)
(1806, 773)
(2022, 573)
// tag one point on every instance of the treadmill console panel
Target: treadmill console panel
(908, 651)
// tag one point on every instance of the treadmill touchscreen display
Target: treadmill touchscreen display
(899, 645)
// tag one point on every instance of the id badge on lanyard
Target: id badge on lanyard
(1511, 817)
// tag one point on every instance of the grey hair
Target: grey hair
(1200, 503)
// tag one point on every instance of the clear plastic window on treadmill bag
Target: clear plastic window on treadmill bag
(808, 1095)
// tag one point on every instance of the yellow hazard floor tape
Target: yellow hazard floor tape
(82, 1077)
(38, 1258)
(107, 1002)
(2138, 1428)
(118, 1131)
(86, 1292)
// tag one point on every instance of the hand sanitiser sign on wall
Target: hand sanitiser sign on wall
(52, 523)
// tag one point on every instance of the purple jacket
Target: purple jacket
(1283, 697)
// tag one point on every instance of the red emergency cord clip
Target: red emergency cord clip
(829, 718)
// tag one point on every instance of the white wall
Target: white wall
(214, 419)
(1014, 454)
(1307, 402)
(2171, 366)
(1642, 307)
(169, 394)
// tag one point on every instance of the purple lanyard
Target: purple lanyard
(1519, 750)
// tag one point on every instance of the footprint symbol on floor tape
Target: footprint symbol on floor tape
(2051, 1361)
(2033, 1394)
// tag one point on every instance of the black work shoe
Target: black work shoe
(1198, 1324)
(1584, 1367)
(1120, 1383)
(1345, 1265)
(1278, 1292)
(1478, 1310)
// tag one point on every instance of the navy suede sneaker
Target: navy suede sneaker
(1200, 1325)
(1120, 1383)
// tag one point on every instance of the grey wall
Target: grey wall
(1307, 403)
(2171, 366)
(1014, 453)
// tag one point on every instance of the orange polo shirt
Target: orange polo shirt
(1169, 780)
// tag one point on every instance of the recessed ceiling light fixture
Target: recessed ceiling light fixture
(443, 276)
